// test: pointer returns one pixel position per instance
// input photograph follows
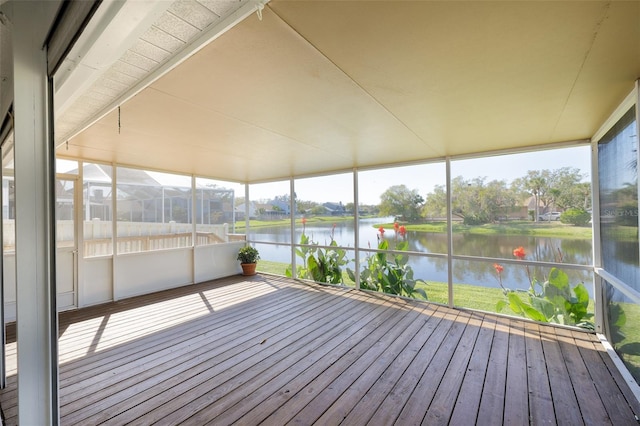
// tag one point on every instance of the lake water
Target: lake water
(574, 251)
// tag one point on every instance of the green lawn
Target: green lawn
(519, 227)
(254, 223)
(522, 227)
(465, 295)
(628, 342)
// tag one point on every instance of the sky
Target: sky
(425, 177)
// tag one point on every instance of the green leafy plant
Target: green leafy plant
(617, 320)
(578, 217)
(318, 264)
(248, 254)
(390, 272)
(553, 300)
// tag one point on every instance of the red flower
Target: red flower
(499, 268)
(304, 220)
(381, 230)
(402, 231)
(519, 253)
(396, 226)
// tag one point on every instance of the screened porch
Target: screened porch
(148, 141)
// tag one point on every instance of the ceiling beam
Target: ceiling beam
(114, 28)
(207, 36)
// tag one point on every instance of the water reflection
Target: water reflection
(545, 249)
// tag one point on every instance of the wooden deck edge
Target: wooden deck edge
(622, 368)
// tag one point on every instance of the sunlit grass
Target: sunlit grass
(516, 227)
(255, 223)
(546, 229)
(629, 347)
(465, 295)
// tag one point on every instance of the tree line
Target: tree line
(477, 201)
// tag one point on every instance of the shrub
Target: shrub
(474, 220)
(578, 217)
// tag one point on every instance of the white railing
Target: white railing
(132, 236)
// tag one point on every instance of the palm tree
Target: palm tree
(537, 185)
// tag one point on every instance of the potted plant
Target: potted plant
(248, 257)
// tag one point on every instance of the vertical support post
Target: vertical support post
(114, 232)
(78, 225)
(87, 212)
(292, 209)
(600, 307)
(247, 210)
(36, 319)
(233, 211)
(637, 89)
(194, 225)
(356, 222)
(449, 234)
(3, 334)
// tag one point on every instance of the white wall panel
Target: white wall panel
(217, 261)
(97, 284)
(146, 272)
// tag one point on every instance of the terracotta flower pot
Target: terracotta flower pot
(248, 268)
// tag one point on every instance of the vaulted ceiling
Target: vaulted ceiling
(313, 86)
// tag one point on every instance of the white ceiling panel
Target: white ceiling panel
(151, 51)
(193, 13)
(177, 27)
(163, 40)
(149, 34)
(318, 86)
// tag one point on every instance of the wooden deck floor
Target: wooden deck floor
(268, 350)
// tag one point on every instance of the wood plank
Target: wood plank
(298, 401)
(441, 407)
(139, 323)
(164, 382)
(224, 327)
(259, 379)
(371, 400)
(491, 411)
(169, 350)
(591, 407)
(467, 404)
(566, 408)
(516, 402)
(232, 352)
(268, 398)
(415, 408)
(540, 400)
(620, 381)
(336, 400)
(395, 400)
(615, 403)
(132, 323)
(125, 361)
